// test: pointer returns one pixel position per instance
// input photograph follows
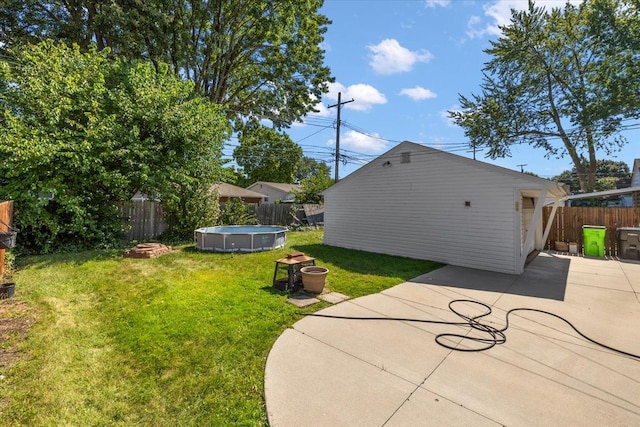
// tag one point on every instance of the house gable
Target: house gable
(275, 191)
(405, 151)
(229, 191)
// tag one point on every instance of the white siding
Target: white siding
(418, 210)
(635, 173)
(274, 194)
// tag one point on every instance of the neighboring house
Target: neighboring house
(141, 197)
(622, 201)
(225, 192)
(631, 199)
(276, 192)
(635, 173)
(229, 191)
(635, 182)
(424, 203)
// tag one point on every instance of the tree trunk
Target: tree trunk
(593, 164)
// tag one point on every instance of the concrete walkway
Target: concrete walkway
(342, 372)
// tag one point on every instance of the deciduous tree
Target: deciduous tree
(309, 168)
(258, 58)
(312, 188)
(544, 84)
(614, 27)
(608, 173)
(81, 132)
(265, 154)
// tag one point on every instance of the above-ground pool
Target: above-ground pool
(241, 238)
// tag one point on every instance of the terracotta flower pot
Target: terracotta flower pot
(314, 278)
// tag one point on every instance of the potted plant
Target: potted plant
(314, 278)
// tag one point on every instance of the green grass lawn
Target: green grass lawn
(177, 340)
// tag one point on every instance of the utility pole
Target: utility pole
(339, 105)
(474, 148)
(522, 168)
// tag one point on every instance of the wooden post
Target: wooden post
(6, 216)
(552, 217)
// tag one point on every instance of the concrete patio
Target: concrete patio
(344, 372)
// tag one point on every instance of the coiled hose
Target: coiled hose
(494, 336)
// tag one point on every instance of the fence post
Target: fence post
(6, 216)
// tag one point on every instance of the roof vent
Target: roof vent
(406, 157)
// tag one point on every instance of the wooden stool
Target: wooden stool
(291, 265)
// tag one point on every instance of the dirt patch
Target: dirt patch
(16, 318)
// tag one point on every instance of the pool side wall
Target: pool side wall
(240, 242)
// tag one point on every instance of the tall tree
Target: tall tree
(608, 173)
(311, 189)
(81, 132)
(258, 58)
(314, 177)
(265, 154)
(543, 85)
(615, 27)
(309, 168)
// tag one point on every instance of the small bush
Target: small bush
(9, 265)
(235, 212)
(194, 208)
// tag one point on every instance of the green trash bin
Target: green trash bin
(594, 240)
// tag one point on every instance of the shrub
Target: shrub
(235, 212)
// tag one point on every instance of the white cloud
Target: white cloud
(499, 14)
(474, 28)
(365, 96)
(321, 112)
(436, 3)
(362, 143)
(444, 115)
(388, 57)
(418, 93)
(334, 88)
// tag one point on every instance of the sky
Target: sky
(404, 64)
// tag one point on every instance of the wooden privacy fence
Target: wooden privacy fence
(144, 220)
(6, 217)
(274, 214)
(568, 222)
(288, 214)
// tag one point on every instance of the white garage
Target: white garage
(424, 203)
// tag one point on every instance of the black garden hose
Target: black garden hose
(495, 335)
